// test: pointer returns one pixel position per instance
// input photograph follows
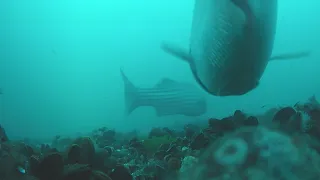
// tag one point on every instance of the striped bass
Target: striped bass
(231, 44)
(167, 97)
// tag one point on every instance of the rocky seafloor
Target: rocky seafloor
(281, 144)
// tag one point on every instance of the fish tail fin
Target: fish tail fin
(176, 51)
(130, 94)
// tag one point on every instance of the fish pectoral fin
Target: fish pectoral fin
(287, 56)
(184, 55)
(177, 51)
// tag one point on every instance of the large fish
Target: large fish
(167, 97)
(231, 44)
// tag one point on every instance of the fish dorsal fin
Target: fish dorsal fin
(165, 82)
(182, 54)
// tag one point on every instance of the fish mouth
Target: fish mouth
(238, 87)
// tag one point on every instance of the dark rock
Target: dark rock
(50, 167)
(155, 169)
(77, 172)
(109, 136)
(34, 162)
(61, 143)
(315, 115)
(288, 120)
(109, 150)
(159, 155)
(167, 157)
(45, 148)
(137, 146)
(133, 166)
(227, 125)
(214, 123)
(120, 172)
(239, 117)
(315, 128)
(169, 132)
(157, 132)
(99, 160)
(211, 134)
(164, 147)
(3, 135)
(24, 149)
(294, 123)
(190, 130)
(8, 166)
(283, 116)
(174, 164)
(182, 142)
(251, 121)
(173, 149)
(98, 175)
(110, 163)
(185, 142)
(86, 151)
(74, 154)
(200, 141)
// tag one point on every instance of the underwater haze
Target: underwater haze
(60, 63)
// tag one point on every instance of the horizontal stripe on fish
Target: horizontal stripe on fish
(168, 97)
